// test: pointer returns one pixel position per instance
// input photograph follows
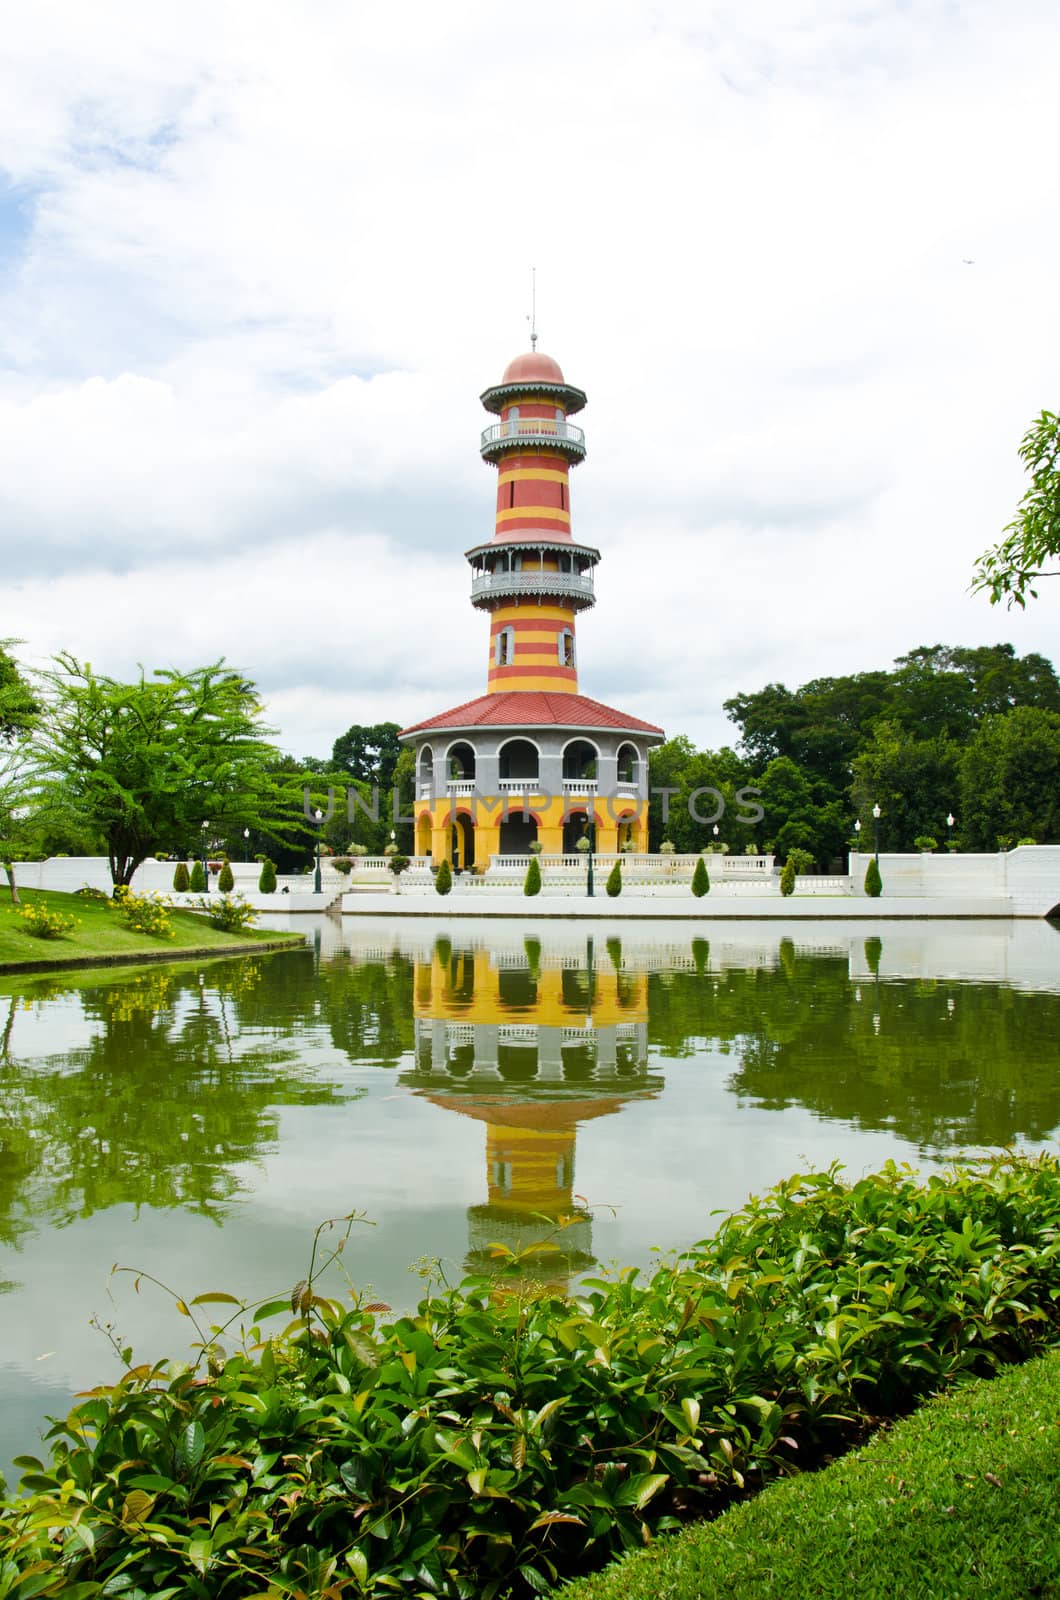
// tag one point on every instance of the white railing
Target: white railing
(526, 786)
(532, 581)
(579, 786)
(549, 428)
(460, 786)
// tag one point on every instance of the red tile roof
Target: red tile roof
(525, 708)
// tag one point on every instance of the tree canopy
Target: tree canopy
(1030, 549)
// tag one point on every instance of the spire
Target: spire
(532, 318)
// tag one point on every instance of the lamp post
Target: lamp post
(318, 816)
(246, 846)
(205, 868)
(857, 831)
(950, 820)
(876, 814)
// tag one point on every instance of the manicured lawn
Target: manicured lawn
(958, 1500)
(100, 934)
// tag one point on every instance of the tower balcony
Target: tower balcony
(549, 433)
(574, 587)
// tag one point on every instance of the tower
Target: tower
(533, 761)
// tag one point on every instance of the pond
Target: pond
(465, 1085)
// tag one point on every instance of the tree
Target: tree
(1010, 780)
(368, 754)
(700, 879)
(787, 878)
(226, 878)
(614, 881)
(181, 880)
(18, 707)
(873, 881)
(915, 782)
(18, 779)
(145, 762)
(267, 879)
(1032, 543)
(532, 882)
(443, 881)
(197, 881)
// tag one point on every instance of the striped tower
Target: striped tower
(532, 577)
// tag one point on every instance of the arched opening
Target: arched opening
(575, 827)
(518, 833)
(517, 1063)
(460, 762)
(516, 988)
(627, 763)
(427, 765)
(565, 647)
(580, 760)
(463, 842)
(627, 831)
(518, 760)
(504, 647)
(423, 835)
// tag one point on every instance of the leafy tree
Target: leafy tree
(915, 782)
(1010, 780)
(443, 881)
(532, 882)
(787, 877)
(614, 881)
(873, 881)
(145, 762)
(267, 878)
(368, 754)
(18, 707)
(181, 879)
(1031, 547)
(700, 879)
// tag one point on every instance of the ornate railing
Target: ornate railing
(531, 582)
(533, 430)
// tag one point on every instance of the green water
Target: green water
(460, 1086)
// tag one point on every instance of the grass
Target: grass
(99, 935)
(958, 1500)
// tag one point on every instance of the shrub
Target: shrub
(342, 864)
(667, 847)
(803, 859)
(536, 847)
(358, 850)
(584, 844)
(230, 913)
(614, 881)
(787, 877)
(181, 880)
(88, 891)
(41, 923)
(873, 881)
(700, 879)
(925, 842)
(532, 882)
(443, 881)
(398, 864)
(1026, 841)
(500, 1443)
(144, 913)
(197, 881)
(226, 879)
(267, 878)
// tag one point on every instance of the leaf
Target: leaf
(641, 1488)
(357, 1562)
(301, 1295)
(137, 1506)
(548, 1517)
(191, 1445)
(519, 1452)
(217, 1298)
(377, 1305)
(690, 1409)
(549, 1409)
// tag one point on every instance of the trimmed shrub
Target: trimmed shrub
(267, 880)
(197, 881)
(443, 882)
(925, 842)
(802, 859)
(532, 882)
(700, 879)
(873, 881)
(226, 881)
(181, 879)
(787, 878)
(614, 881)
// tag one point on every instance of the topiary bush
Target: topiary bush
(532, 882)
(181, 879)
(787, 878)
(614, 881)
(925, 843)
(700, 879)
(873, 881)
(267, 879)
(443, 881)
(226, 880)
(197, 881)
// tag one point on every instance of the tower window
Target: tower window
(511, 493)
(566, 648)
(504, 648)
(562, 497)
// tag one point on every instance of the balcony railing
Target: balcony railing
(559, 435)
(576, 584)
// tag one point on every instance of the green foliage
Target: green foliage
(443, 880)
(181, 878)
(398, 864)
(873, 881)
(787, 877)
(230, 913)
(88, 892)
(1010, 779)
(532, 881)
(925, 842)
(197, 880)
(225, 878)
(802, 860)
(700, 879)
(1008, 570)
(267, 878)
(495, 1443)
(144, 913)
(42, 922)
(368, 754)
(614, 881)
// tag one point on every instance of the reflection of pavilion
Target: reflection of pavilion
(531, 1053)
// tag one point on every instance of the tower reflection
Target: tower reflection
(532, 1051)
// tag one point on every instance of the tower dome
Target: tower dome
(533, 367)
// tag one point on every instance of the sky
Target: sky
(258, 261)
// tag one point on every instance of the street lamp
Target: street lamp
(857, 831)
(717, 830)
(246, 846)
(205, 868)
(319, 816)
(876, 814)
(950, 820)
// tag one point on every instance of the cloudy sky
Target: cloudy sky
(258, 260)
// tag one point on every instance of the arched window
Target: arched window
(627, 763)
(513, 419)
(504, 647)
(565, 647)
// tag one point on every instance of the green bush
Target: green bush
(532, 882)
(614, 881)
(924, 842)
(267, 878)
(41, 923)
(787, 877)
(700, 879)
(226, 879)
(230, 913)
(873, 881)
(144, 913)
(197, 880)
(802, 860)
(1026, 841)
(181, 878)
(443, 881)
(88, 892)
(500, 1443)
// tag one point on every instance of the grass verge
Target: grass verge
(99, 936)
(957, 1500)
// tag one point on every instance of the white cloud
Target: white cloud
(275, 255)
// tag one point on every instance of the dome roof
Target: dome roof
(533, 367)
